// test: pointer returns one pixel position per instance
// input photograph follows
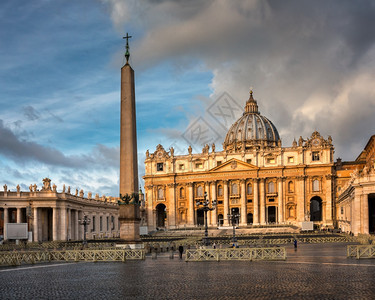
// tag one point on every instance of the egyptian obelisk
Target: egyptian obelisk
(128, 131)
(129, 214)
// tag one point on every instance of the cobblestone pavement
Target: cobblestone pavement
(319, 271)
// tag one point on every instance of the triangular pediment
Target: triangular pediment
(234, 165)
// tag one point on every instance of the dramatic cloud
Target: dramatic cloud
(307, 60)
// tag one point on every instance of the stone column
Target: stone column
(226, 203)
(356, 220)
(301, 198)
(149, 194)
(365, 214)
(36, 225)
(329, 204)
(262, 202)
(280, 194)
(243, 203)
(207, 190)
(80, 227)
(6, 220)
(191, 205)
(63, 224)
(256, 201)
(69, 223)
(19, 215)
(76, 225)
(213, 195)
(55, 216)
(172, 206)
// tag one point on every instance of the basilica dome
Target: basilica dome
(251, 130)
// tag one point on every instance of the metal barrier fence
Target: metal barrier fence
(361, 251)
(30, 257)
(272, 253)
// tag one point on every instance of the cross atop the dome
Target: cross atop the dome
(127, 54)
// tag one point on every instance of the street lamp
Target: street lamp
(233, 218)
(84, 221)
(205, 206)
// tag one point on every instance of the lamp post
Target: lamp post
(205, 206)
(233, 217)
(84, 221)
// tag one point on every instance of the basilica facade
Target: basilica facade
(253, 176)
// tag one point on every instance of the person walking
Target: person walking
(181, 250)
(295, 244)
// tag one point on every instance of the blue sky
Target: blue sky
(312, 67)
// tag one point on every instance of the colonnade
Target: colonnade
(64, 224)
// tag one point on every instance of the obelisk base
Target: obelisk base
(129, 217)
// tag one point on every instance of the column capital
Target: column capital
(190, 184)
(329, 176)
(171, 185)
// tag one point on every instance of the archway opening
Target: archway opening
(250, 218)
(161, 215)
(271, 214)
(371, 213)
(316, 209)
(200, 217)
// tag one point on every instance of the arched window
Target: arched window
(271, 187)
(220, 190)
(234, 189)
(316, 185)
(182, 192)
(249, 189)
(290, 187)
(200, 191)
(160, 193)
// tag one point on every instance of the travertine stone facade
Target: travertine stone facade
(254, 175)
(356, 194)
(53, 215)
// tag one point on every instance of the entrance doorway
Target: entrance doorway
(161, 216)
(316, 209)
(371, 213)
(250, 218)
(271, 212)
(200, 217)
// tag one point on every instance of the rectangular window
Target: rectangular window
(199, 165)
(315, 156)
(218, 163)
(249, 200)
(270, 160)
(113, 222)
(159, 167)
(101, 224)
(93, 223)
(219, 202)
(107, 224)
(342, 210)
(290, 159)
(181, 167)
(271, 200)
(248, 161)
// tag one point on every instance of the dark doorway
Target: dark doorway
(200, 217)
(371, 213)
(161, 215)
(250, 218)
(271, 214)
(316, 209)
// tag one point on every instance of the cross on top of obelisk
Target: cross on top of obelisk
(127, 54)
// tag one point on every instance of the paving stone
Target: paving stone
(319, 271)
